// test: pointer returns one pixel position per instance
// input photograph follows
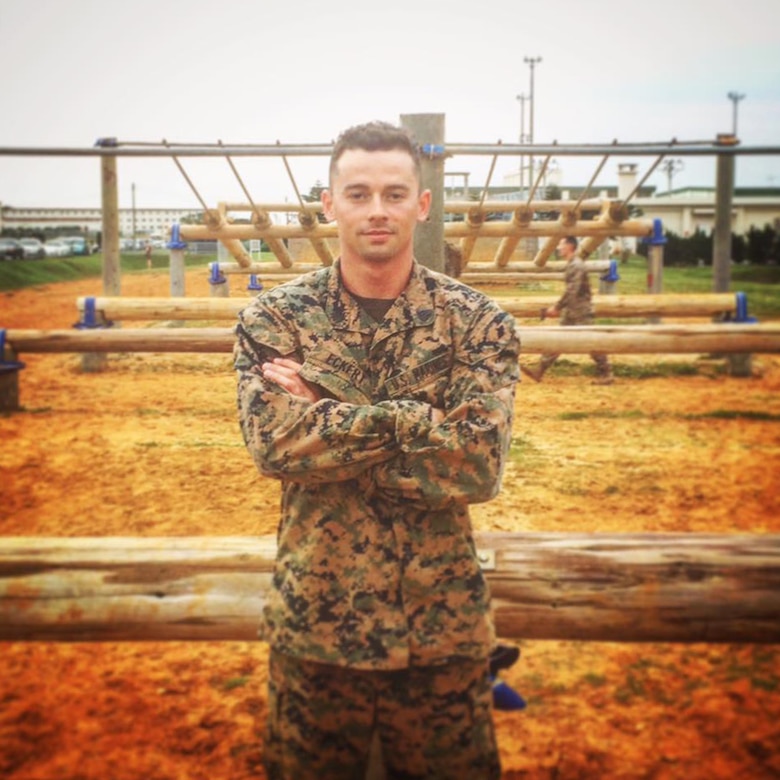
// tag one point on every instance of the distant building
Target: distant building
(147, 222)
(682, 211)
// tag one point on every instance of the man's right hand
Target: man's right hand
(286, 373)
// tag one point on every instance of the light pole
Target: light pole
(735, 97)
(133, 192)
(671, 167)
(531, 61)
(521, 99)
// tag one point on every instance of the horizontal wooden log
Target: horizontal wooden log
(496, 229)
(599, 587)
(121, 340)
(519, 267)
(582, 339)
(653, 339)
(450, 206)
(704, 305)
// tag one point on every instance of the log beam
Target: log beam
(597, 587)
(498, 229)
(581, 339)
(522, 269)
(669, 305)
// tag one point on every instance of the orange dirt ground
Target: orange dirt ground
(151, 446)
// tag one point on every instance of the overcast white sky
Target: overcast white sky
(300, 71)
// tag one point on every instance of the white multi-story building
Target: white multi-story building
(141, 223)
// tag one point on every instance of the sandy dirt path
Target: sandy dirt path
(151, 446)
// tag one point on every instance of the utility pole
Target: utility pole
(671, 167)
(521, 99)
(133, 191)
(735, 97)
(531, 61)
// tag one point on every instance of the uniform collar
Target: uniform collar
(414, 307)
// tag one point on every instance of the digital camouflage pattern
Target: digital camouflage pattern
(576, 303)
(376, 565)
(432, 723)
(576, 308)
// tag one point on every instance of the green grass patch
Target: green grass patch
(15, 275)
(603, 414)
(522, 450)
(735, 414)
(235, 682)
(650, 370)
(595, 680)
(638, 414)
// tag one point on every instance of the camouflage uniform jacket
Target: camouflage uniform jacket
(376, 565)
(575, 305)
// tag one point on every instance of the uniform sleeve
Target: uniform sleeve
(462, 459)
(293, 439)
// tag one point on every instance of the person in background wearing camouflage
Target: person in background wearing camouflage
(381, 394)
(576, 308)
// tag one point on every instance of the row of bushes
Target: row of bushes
(759, 246)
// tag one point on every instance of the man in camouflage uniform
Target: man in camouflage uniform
(381, 394)
(576, 308)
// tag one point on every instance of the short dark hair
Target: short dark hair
(572, 240)
(375, 137)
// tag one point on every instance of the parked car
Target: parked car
(11, 249)
(78, 245)
(57, 248)
(33, 248)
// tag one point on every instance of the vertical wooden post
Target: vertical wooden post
(655, 263)
(112, 274)
(218, 282)
(428, 129)
(739, 364)
(724, 191)
(177, 268)
(9, 377)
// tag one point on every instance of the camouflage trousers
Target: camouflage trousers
(603, 368)
(432, 722)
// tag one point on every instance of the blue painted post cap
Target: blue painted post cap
(217, 277)
(176, 242)
(612, 275)
(657, 239)
(7, 366)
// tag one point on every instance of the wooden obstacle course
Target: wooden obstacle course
(598, 587)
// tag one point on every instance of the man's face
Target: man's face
(565, 249)
(375, 198)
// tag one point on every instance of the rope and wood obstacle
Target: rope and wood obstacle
(538, 219)
(597, 587)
